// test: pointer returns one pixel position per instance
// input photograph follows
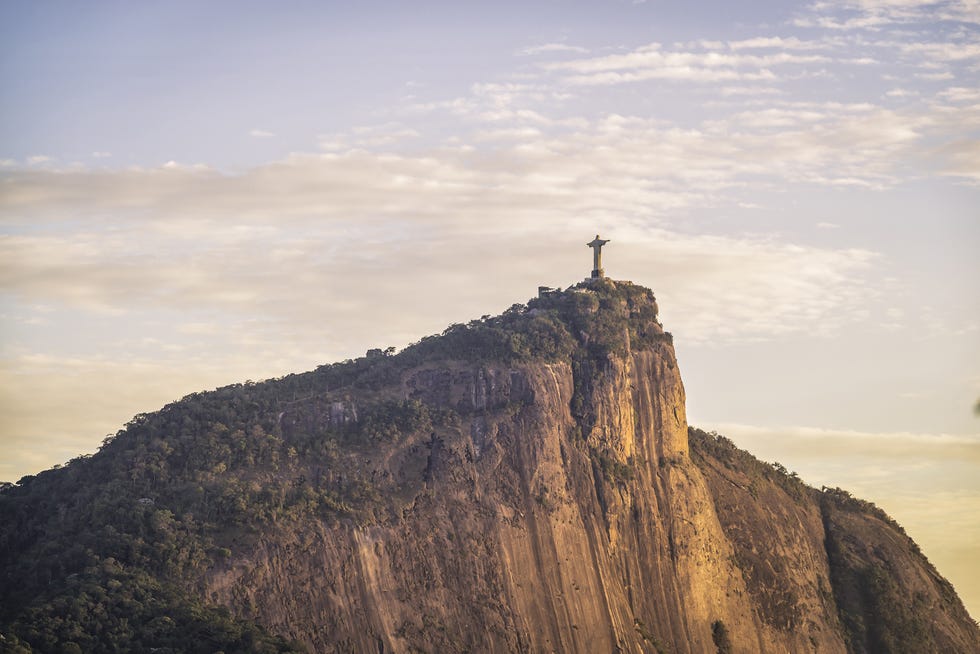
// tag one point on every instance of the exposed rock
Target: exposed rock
(542, 529)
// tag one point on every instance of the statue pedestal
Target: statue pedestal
(598, 274)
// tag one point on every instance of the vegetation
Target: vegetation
(842, 500)
(728, 454)
(865, 549)
(649, 637)
(601, 318)
(613, 471)
(109, 607)
(720, 637)
(878, 614)
(97, 555)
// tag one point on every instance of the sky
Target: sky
(196, 194)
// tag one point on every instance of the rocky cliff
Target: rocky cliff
(525, 483)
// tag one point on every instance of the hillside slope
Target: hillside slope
(520, 483)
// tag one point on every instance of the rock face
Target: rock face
(551, 499)
(562, 512)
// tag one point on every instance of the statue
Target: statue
(596, 245)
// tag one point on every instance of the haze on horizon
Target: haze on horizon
(196, 194)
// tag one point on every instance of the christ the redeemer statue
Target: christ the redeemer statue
(596, 245)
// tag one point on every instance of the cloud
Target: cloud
(619, 164)
(379, 225)
(176, 165)
(368, 137)
(548, 48)
(260, 133)
(813, 443)
(963, 159)
(653, 61)
(944, 75)
(943, 51)
(960, 94)
(875, 15)
(766, 293)
(508, 133)
(728, 91)
(778, 43)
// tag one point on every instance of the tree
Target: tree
(719, 634)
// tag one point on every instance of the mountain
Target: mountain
(522, 483)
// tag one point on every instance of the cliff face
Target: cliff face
(561, 512)
(525, 532)
(549, 500)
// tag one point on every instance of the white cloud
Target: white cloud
(728, 91)
(876, 15)
(765, 293)
(963, 159)
(827, 444)
(652, 61)
(368, 137)
(942, 52)
(778, 43)
(508, 133)
(960, 94)
(941, 76)
(260, 133)
(859, 61)
(176, 166)
(195, 238)
(552, 47)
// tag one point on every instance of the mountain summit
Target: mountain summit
(521, 483)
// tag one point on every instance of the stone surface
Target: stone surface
(533, 529)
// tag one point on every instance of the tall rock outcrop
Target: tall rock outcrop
(524, 483)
